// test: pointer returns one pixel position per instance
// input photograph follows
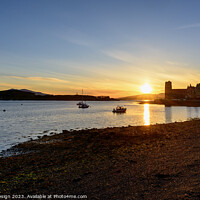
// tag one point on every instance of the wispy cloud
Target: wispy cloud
(134, 53)
(176, 63)
(196, 25)
(41, 79)
(10, 85)
(76, 37)
(119, 55)
(78, 41)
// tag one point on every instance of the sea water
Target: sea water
(24, 120)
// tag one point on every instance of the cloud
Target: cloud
(76, 37)
(41, 79)
(78, 41)
(176, 63)
(6, 86)
(189, 26)
(120, 55)
(135, 53)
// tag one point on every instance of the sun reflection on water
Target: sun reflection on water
(146, 114)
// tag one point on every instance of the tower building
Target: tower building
(168, 89)
(190, 93)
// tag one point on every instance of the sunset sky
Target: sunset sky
(105, 47)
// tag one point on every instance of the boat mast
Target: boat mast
(82, 95)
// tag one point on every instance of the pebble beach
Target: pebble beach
(136, 162)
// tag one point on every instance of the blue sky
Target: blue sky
(107, 47)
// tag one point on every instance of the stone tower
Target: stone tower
(168, 89)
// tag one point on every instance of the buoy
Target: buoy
(4, 110)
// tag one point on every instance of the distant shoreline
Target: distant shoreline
(18, 95)
(172, 102)
(56, 100)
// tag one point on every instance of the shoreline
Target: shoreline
(173, 102)
(139, 162)
(15, 151)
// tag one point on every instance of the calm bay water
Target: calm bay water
(24, 120)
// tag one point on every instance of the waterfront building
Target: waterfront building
(190, 92)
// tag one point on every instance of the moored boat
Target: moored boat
(119, 109)
(81, 104)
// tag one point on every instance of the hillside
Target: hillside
(24, 94)
(36, 93)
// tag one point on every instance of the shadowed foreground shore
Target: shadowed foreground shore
(142, 162)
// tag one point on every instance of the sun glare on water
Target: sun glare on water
(146, 88)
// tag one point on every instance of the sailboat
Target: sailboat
(81, 104)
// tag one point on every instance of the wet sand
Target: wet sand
(142, 162)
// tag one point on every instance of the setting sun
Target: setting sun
(146, 88)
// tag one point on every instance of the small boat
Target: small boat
(81, 104)
(119, 109)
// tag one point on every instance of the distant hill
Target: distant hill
(14, 94)
(144, 97)
(25, 94)
(36, 93)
